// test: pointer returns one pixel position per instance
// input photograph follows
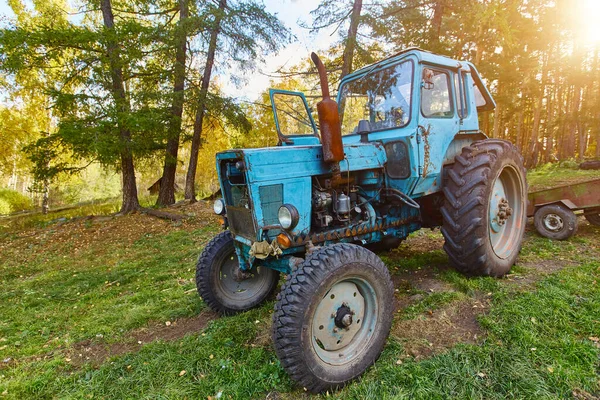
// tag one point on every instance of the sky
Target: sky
(288, 11)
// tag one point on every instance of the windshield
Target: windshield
(382, 97)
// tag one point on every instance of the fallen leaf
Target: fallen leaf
(594, 339)
(533, 349)
(182, 373)
(550, 369)
(481, 375)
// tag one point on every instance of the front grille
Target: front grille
(271, 198)
(241, 222)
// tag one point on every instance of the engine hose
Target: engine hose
(396, 194)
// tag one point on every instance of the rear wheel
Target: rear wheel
(484, 211)
(333, 316)
(222, 286)
(555, 221)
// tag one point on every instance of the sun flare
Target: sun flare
(590, 20)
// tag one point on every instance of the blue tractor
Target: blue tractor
(401, 150)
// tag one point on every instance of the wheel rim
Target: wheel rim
(240, 290)
(553, 222)
(506, 212)
(353, 302)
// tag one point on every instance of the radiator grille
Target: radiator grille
(241, 222)
(271, 198)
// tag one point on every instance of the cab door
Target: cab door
(438, 124)
(293, 119)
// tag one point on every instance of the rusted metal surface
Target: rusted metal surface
(579, 196)
(350, 232)
(329, 119)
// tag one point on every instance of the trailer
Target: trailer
(555, 210)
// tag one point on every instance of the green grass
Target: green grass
(99, 281)
(557, 174)
(57, 295)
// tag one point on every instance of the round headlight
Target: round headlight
(219, 206)
(288, 216)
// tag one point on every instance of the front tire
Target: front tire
(555, 222)
(333, 316)
(218, 285)
(484, 211)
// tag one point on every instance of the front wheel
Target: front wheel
(222, 286)
(484, 210)
(333, 316)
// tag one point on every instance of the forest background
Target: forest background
(100, 99)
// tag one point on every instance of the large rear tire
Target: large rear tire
(219, 284)
(485, 208)
(333, 316)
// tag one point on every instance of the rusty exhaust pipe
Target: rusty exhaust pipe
(329, 122)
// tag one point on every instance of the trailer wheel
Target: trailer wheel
(333, 316)
(593, 217)
(484, 209)
(220, 285)
(555, 221)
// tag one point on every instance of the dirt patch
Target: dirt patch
(96, 353)
(441, 329)
(263, 336)
(421, 242)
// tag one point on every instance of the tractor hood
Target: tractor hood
(275, 163)
(256, 182)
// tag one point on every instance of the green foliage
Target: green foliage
(5, 207)
(12, 201)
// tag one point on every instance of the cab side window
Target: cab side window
(435, 94)
(457, 90)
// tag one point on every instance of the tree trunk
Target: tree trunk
(531, 155)
(129, 186)
(351, 39)
(436, 25)
(190, 181)
(166, 193)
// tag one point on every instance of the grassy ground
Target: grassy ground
(106, 308)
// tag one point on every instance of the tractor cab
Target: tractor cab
(413, 103)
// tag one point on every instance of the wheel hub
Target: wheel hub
(338, 317)
(506, 212)
(500, 210)
(553, 222)
(343, 316)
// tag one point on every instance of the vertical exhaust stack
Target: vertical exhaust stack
(329, 123)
